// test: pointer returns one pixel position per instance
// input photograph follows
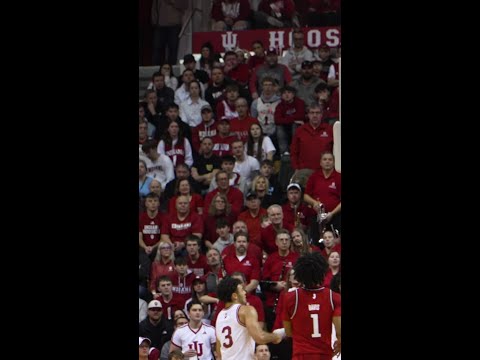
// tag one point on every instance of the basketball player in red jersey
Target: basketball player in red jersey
(310, 310)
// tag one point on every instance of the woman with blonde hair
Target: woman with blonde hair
(260, 186)
(162, 265)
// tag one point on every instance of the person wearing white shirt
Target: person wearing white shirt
(196, 339)
(159, 166)
(247, 166)
(190, 109)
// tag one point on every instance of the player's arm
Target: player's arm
(252, 285)
(249, 316)
(337, 346)
(287, 325)
(218, 354)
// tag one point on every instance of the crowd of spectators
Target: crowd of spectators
(236, 169)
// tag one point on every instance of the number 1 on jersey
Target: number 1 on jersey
(316, 326)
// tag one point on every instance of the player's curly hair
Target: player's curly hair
(310, 270)
(226, 287)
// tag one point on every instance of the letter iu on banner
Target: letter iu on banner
(229, 41)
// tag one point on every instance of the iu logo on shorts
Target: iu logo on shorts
(198, 349)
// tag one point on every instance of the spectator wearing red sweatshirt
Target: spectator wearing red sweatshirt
(235, 70)
(329, 100)
(231, 15)
(289, 114)
(311, 140)
(259, 55)
(207, 128)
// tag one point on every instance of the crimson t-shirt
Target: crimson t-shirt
(179, 229)
(150, 228)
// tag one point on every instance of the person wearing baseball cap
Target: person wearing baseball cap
(143, 348)
(155, 327)
(206, 128)
(295, 211)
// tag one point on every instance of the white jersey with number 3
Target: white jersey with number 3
(236, 343)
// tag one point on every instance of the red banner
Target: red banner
(271, 38)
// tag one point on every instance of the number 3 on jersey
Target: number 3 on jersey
(316, 326)
(228, 337)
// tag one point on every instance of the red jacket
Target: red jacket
(286, 114)
(308, 144)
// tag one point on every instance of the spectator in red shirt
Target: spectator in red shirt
(196, 261)
(289, 115)
(323, 190)
(207, 128)
(311, 140)
(222, 142)
(184, 188)
(234, 196)
(275, 271)
(252, 249)
(333, 267)
(329, 101)
(295, 212)
(177, 226)
(150, 224)
(162, 265)
(258, 58)
(240, 126)
(219, 208)
(243, 262)
(329, 244)
(268, 234)
(234, 70)
(170, 302)
(253, 217)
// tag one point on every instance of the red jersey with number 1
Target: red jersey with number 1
(310, 312)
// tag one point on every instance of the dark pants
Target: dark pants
(165, 37)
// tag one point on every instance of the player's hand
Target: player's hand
(280, 333)
(337, 348)
(190, 353)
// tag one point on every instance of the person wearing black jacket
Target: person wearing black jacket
(155, 327)
(144, 264)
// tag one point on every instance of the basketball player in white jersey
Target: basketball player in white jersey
(237, 325)
(196, 340)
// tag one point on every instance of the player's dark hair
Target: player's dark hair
(226, 287)
(335, 282)
(310, 270)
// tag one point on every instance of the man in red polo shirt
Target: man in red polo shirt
(243, 262)
(234, 196)
(323, 190)
(253, 217)
(275, 270)
(310, 140)
(268, 234)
